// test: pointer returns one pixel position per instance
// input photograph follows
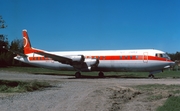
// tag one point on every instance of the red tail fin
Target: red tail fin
(27, 44)
(26, 39)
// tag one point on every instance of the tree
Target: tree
(2, 23)
(6, 57)
(3, 43)
(3, 38)
(174, 56)
(16, 45)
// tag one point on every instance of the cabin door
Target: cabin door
(145, 57)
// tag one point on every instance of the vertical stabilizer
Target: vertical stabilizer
(26, 42)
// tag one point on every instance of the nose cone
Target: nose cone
(172, 64)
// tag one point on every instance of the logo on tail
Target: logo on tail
(26, 39)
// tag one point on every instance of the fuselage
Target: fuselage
(149, 60)
(108, 60)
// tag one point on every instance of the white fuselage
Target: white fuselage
(108, 60)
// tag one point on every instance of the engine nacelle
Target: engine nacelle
(78, 58)
(86, 65)
(91, 62)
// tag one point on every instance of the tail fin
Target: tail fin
(26, 40)
(26, 43)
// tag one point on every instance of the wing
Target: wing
(58, 58)
(63, 59)
(77, 61)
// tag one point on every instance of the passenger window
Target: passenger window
(137, 57)
(120, 57)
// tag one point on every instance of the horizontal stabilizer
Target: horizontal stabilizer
(15, 52)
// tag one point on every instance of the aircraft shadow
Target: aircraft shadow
(71, 76)
(111, 76)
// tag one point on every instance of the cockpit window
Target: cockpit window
(163, 55)
(159, 55)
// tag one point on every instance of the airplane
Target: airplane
(141, 60)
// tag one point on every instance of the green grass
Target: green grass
(157, 86)
(168, 73)
(28, 69)
(155, 97)
(172, 104)
(35, 70)
(19, 86)
(171, 89)
(157, 92)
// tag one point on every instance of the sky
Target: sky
(60, 25)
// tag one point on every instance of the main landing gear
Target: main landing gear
(151, 76)
(101, 74)
(78, 74)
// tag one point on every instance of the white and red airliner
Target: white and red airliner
(147, 60)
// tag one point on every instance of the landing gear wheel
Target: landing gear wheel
(151, 76)
(78, 75)
(101, 74)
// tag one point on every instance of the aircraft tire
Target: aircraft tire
(78, 75)
(151, 76)
(101, 74)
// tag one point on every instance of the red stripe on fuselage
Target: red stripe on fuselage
(129, 57)
(39, 58)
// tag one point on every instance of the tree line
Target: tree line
(174, 56)
(6, 57)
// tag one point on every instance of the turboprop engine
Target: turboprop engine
(78, 58)
(91, 62)
(86, 65)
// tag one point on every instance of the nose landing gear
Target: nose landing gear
(151, 76)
